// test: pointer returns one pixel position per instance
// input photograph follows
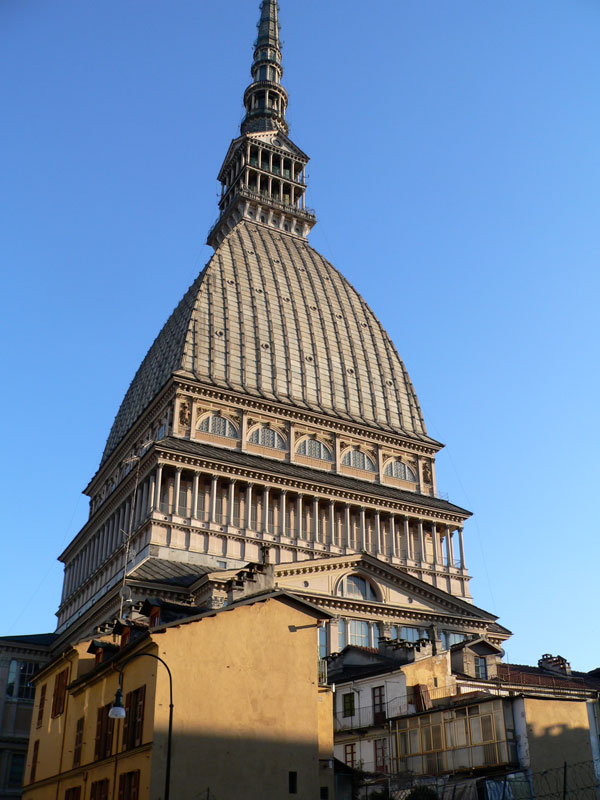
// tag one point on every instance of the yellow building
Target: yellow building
(250, 715)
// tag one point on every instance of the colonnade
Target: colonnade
(328, 524)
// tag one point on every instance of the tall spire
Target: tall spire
(263, 177)
(266, 99)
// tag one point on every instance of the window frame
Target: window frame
(350, 750)
(348, 704)
(209, 419)
(59, 695)
(408, 473)
(41, 706)
(304, 442)
(78, 744)
(133, 726)
(351, 453)
(259, 432)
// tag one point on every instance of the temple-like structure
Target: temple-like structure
(273, 420)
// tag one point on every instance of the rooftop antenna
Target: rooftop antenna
(127, 534)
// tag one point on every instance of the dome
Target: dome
(271, 318)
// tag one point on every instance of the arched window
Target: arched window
(356, 586)
(218, 426)
(313, 448)
(358, 460)
(397, 469)
(267, 437)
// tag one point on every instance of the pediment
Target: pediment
(394, 588)
(280, 141)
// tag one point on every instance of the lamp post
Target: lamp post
(118, 711)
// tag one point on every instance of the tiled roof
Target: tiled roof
(534, 676)
(170, 572)
(313, 476)
(271, 318)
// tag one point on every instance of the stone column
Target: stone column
(144, 508)
(213, 499)
(363, 530)
(392, 524)
(407, 536)
(299, 514)
(265, 514)
(449, 547)
(157, 490)
(348, 525)
(434, 539)
(378, 531)
(176, 490)
(282, 513)
(231, 502)
(195, 485)
(421, 540)
(332, 521)
(461, 546)
(316, 519)
(249, 506)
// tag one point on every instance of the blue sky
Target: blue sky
(454, 171)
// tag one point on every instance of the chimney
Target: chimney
(556, 664)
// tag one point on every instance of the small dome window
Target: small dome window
(358, 460)
(267, 437)
(313, 448)
(218, 426)
(398, 469)
(357, 587)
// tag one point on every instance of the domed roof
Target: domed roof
(271, 318)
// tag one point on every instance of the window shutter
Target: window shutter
(127, 720)
(40, 716)
(94, 792)
(98, 742)
(122, 787)
(139, 715)
(110, 730)
(135, 781)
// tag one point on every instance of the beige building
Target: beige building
(251, 717)
(272, 414)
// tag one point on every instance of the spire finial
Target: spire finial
(266, 99)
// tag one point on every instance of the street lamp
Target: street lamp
(118, 711)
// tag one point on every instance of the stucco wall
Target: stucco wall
(247, 708)
(557, 731)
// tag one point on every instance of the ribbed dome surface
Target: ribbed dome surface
(271, 318)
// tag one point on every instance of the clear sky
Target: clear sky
(454, 170)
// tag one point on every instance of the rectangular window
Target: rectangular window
(60, 692)
(40, 715)
(381, 764)
(350, 755)
(348, 704)
(129, 785)
(358, 632)
(78, 742)
(99, 790)
(104, 733)
(378, 695)
(17, 769)
(133, 727)
(74, 793)
(34, 760)
(293, 782)
(480, 667)
(19, 673)
(324, 793)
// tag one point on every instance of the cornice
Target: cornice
(294, 413)
(169, 456)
